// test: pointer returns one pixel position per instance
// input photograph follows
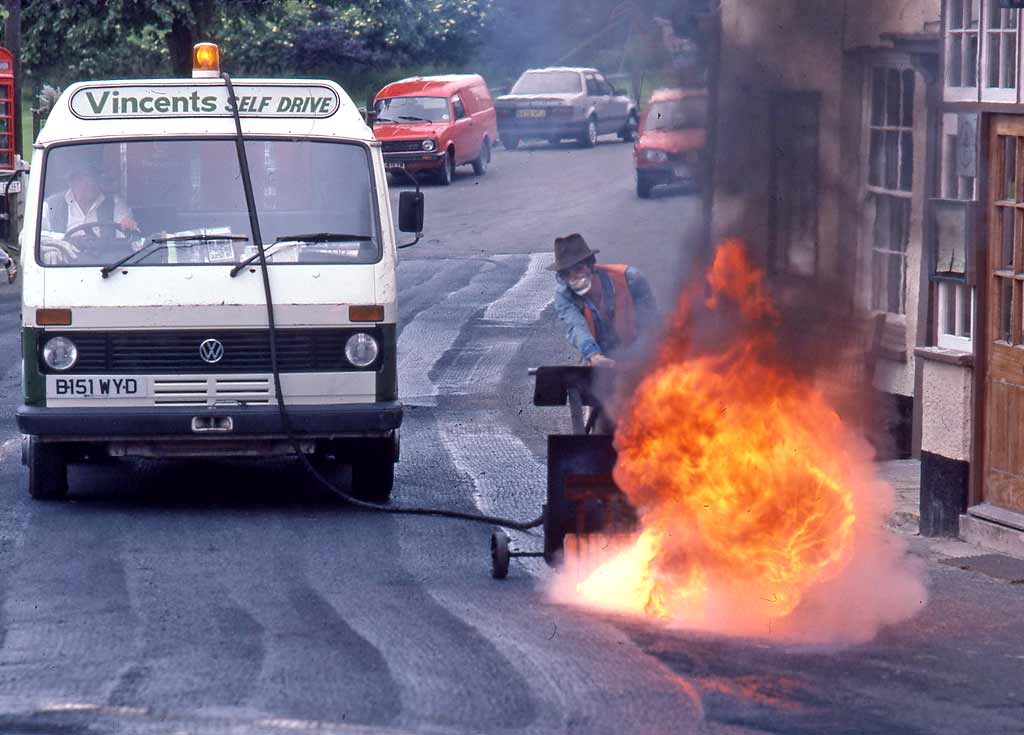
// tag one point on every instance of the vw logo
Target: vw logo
(211, 351)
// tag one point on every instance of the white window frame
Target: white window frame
(953, 36)
(962, 336)
(960, 187)
(990, 35)
(877, 191)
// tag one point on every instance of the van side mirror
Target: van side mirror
(369, 115)
(410, 215)
(410, 211)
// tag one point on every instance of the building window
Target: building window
(955, 315)
(959, 159)
(962, 42)
(999, 65)
(794, 132)
(952, 216)
(890, 183)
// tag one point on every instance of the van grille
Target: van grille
(245, 351)
(402, 146)
(192, 391)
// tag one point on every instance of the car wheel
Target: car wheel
(447, 172)
(47, 470)
(588, 138)
(628, 132)
(643, 188)
(373, 473)
(483, 160)
(510, 143)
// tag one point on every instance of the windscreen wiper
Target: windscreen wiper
(313, 237)
(159, 243)
(413, 118)
(384, 120)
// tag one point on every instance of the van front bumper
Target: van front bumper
(357, 419)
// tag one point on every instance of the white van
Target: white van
(144, 321)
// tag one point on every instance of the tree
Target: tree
(107, 38)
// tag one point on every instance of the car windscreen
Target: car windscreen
(412, 109)
(175, 198)
(690, 112)
(548, 82)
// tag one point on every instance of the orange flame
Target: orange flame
(745, 479)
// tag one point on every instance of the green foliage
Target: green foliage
(361, 43)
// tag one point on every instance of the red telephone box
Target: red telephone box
(6, 110)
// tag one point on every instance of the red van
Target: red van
(434, 124)
(672, 137)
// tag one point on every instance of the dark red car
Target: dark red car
(670, 147)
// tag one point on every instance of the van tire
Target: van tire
(447, 172)
(510, 142)
(483, 160)
(47, 470)
(643, 188)
(373, 473)
(588, 136)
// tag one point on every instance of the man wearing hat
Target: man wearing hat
(83, 202)
(603, 307)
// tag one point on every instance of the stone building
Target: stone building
(878, 148)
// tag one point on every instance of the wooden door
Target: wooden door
(1003, 452)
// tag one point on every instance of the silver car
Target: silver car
(564, 102)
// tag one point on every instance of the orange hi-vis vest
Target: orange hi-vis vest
(623, 311)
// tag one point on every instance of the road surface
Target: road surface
(232, 598)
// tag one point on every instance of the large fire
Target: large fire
(754, 496)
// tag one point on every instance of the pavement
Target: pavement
(207, 597)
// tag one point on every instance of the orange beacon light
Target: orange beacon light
(205, 60)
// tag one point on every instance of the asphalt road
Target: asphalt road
(233, 598)
(223, 598)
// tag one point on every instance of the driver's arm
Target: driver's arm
(123, 215)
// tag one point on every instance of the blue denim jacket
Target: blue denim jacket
(569, 308)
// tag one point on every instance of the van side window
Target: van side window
(603, 87)
(458, 107)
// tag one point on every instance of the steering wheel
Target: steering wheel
(94, 228)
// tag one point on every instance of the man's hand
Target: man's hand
(57, 252)
(600, 360)
(128, 224)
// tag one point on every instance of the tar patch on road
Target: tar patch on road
(998, 566)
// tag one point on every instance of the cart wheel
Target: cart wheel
(499, 554)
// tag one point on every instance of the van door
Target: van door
(467, 141)
(485, 114)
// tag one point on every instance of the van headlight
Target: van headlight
(361, 349)
(429, 145)
(60, 353)
(654, 156)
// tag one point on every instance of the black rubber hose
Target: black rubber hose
(286, 424)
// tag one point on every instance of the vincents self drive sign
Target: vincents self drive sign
(105, 102)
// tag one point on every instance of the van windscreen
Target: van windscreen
(101, 201)
(412, 109)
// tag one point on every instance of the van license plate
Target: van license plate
(394, 165)
(532, 113)
(98, 386)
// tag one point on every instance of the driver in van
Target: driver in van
(67, 214)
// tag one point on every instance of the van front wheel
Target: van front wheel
(47, 470)
(447, 171)
(373, 473)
